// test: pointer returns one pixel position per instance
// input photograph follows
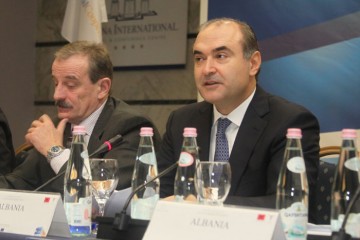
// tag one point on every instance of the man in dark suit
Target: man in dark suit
(82, 74)
(7, 160)
(227, 62)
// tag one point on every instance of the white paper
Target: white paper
(32, 213)
(321, 230)
(194, 221)
(117, 201)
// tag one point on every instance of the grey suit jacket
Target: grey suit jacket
(116, 118)
(258, 149)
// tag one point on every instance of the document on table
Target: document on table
(321, 230)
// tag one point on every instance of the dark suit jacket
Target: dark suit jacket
(258, 150)
(7, 158)
(116, 118)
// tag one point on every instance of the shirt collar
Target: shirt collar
(237, 115)
(90, 121)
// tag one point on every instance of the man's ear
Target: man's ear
(104, 85)
(255, 62)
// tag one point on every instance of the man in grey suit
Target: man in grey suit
(226, 64)
(82, 75)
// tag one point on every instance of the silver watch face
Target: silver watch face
(55, 149)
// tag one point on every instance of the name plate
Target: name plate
(195, 221)
(32, 213)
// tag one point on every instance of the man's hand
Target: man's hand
(43, 134)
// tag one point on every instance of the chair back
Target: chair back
(21, 152)
(327, 165)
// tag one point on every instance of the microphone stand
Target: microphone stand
(49, 181)
(122, 226)
(342, 235)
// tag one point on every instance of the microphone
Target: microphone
(105, 147)
(121, 220)
(342, 235)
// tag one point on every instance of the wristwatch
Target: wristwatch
(54, 151)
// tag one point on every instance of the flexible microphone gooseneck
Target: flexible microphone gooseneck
(103, 148)
(121, 220)
(107, 146)
(342, 235)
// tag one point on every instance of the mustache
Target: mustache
(211, 77)
(62, 104)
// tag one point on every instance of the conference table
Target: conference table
(137, 228)
(134, 233)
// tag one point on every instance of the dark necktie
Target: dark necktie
(222, 148)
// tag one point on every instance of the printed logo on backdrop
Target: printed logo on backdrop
(146, 32)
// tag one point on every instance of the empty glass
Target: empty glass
(213, 181)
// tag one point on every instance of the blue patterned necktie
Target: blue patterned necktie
(222, 148)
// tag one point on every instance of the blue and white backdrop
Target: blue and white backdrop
(311, 53)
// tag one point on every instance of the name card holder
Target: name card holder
(194, 221)
(38, 214)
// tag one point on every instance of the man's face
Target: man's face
(222, 75)
(75, 95)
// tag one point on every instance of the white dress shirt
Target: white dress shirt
(236, 117)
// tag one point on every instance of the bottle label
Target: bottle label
(296, 165)
(86, 169)
(353, 164)
(294, 221)
(84, 154)
(142, 208)
(79, 214)
(148, 158)
(186, 159)
(352, 226)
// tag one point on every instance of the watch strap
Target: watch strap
(54, 151)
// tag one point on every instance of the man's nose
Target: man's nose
(59, 93)
(209, 66)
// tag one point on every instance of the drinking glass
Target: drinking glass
(213, 180)
(104, 173)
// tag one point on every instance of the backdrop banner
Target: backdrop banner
(146, 32)
(311, 53)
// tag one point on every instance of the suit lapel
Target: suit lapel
(67, 138)
(96, 138)
(249, 132)
(204, 130)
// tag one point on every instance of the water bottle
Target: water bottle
(184, 186)
(144, 201)
(77, 189)
(292, 188)
(346, 181)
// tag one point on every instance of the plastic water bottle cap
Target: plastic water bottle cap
(146, 131)
(79, 130)
(190, 132)
(294, 133)
(348, 133)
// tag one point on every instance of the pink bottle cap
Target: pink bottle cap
(294, 133)
(190, 132)
(348, 133)
(79, 130)
(146, 131)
